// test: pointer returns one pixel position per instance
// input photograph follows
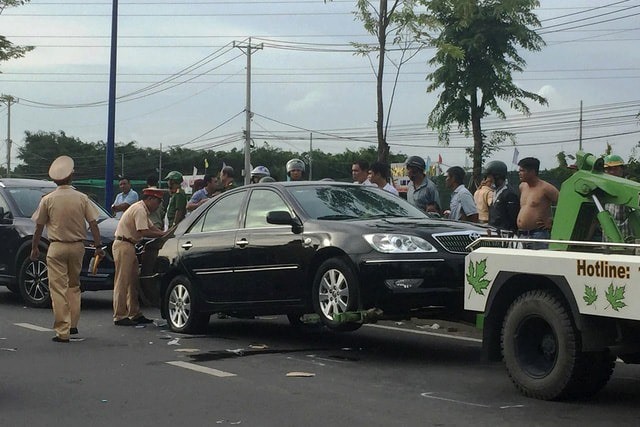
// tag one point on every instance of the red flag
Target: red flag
(439, 158)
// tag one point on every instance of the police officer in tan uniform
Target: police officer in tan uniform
(132, 227)
(65, 212)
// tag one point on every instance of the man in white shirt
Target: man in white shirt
(126, 198)
(360, 172)
(379, 176)
(463, 207)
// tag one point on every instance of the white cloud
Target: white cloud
(309, 102)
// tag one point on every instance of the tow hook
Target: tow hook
(371, 315)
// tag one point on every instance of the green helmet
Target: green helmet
(174, 176)
(613, 160)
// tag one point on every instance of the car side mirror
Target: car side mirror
(5, 217)
(285, 218)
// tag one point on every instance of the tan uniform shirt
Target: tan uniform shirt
(133, 220)
(483, 198)
(59, 210)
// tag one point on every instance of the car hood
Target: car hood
(107, 230)
(418, 226)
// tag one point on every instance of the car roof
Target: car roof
(25, 182)
(308, 183)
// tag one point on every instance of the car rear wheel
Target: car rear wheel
(33, 282)
(181, 307)
(335, 291)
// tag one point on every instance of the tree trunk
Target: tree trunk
(476, 127)
(383, 147)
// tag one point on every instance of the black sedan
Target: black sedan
(19, 198)
(337, 250)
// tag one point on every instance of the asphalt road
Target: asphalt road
(390, 374)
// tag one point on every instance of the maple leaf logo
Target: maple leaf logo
(615, 296)
(475, 276)
(590, 294)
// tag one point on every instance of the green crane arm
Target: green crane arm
(582, 201)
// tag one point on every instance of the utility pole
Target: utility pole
(580, 137)
(246, 48)
(111, 114)
(160, 168)
(8, 100)
(310, 156)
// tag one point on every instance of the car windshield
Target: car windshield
(351, 202)
(28, 198)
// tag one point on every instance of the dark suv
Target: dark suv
(19, 199)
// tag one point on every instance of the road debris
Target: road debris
(301, 374)
(174, 341)
(258, 346)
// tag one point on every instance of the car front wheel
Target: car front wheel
(181, 307)
(33, 282)
(335, 291)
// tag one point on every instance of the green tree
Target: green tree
(7, 49)
(476, 53)
(41, 148)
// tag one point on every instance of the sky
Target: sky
(182, 78)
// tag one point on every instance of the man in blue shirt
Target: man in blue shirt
(210, 189)
(422, 192)
(126, 198)
(462, 206)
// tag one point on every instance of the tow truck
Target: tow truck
(559, 318)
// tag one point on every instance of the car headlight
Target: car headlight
(389, 243)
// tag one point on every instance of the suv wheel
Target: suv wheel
(33, 282)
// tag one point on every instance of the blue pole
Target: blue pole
(111, 123)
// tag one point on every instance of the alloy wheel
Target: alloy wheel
(333, 293)
(179, 306)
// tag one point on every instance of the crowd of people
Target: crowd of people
(495, 202)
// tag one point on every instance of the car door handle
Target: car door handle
(242, 242)
(187, 245)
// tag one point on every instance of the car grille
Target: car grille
(456, 243)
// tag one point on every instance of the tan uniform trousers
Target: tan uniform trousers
(64, 262)
(125, 286)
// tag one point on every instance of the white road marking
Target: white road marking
(201, 369)
(33, 327)
(430, 396)
(434, 334)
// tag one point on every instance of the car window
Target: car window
(5, 207)
(28, 198)
(102, 213)
(222, 215)
(261, 202)
(351, 202)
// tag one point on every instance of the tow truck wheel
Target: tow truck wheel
(539, 346)
(335, 291)
(593, 373)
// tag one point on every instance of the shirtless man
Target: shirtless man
(536, 197)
